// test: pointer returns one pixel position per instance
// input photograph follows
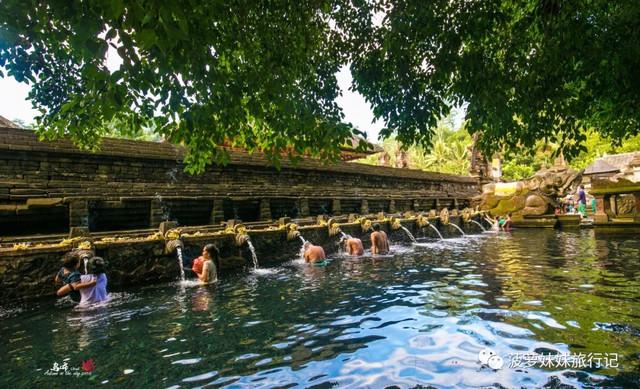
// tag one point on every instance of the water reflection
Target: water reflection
(419, 316)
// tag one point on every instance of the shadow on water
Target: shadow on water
(419, 316)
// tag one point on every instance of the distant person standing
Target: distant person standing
(582, 201)
(379, 241)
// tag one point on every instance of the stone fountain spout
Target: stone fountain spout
(292, 231)
(241, 237)
(422, 221)
(394, 223)
(444, 216)
(84, 251)
(173, 241)
(365, 224)
(334, 228)
(466, 214)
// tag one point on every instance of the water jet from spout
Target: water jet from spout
(458, 228)
(409, 234)
(481, 226)
(180, 262)
(436, 230)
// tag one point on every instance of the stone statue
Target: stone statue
(534, 196)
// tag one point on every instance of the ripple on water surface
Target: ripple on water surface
(419, 316)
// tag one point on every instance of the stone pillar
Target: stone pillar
(437, 204)
(455, 203)
(79, 213)
(217, 212)
(636, 195)
(265, 209)
(416, 205)
(602, 203)
(392, 206)
(336, 208)
(612, 209)
(157, 213)
(304, 207)
(364, 207)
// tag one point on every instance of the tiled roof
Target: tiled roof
(611, 163)
(4, 122)
(26, 140)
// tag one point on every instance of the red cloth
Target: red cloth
(197, 264)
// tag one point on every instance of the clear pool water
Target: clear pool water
(418, 317)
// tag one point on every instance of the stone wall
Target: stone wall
(48, 187)
(617, 202)
(30, 272)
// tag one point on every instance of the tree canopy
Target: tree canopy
(262, 75)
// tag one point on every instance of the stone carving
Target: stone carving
(466, 214)
(533, 196)
(334, 228)
(422, 221)
(444, 216)
(625, 205)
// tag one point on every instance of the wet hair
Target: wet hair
(96, 265)
(582, 186)
(70, 260)
(376, 227)
(214, 253)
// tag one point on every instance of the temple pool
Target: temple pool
(540, 307)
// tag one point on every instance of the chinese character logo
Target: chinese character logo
(58, 369)
(63, 369)
(88, 365)
(489, 358)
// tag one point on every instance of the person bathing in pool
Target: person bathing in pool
(208, 264)
(75, 287)
(69, 274)
(495, 223)
(96, 269)
(313, 253)
(379, 241)
(353, 246)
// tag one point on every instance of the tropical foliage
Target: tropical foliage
(449, 152)
(521, 165)
(262, 75)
